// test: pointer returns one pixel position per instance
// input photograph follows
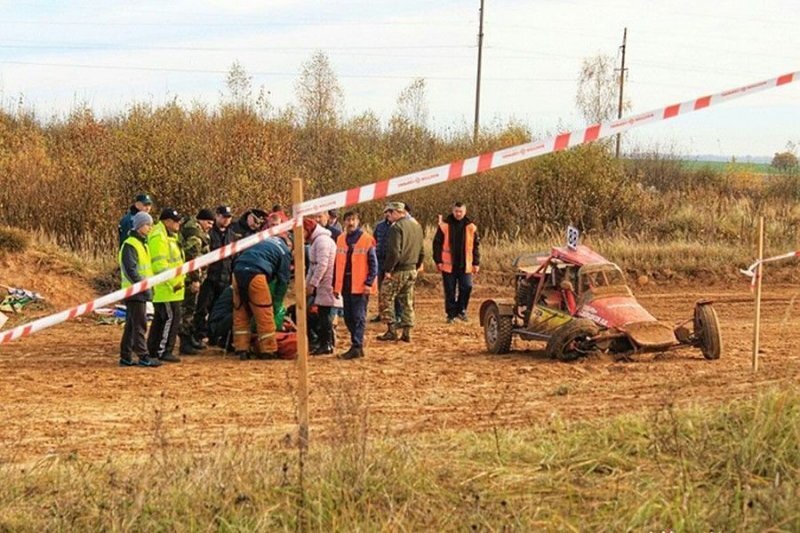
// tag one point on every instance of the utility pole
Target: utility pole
(621, 84)
(478, 83)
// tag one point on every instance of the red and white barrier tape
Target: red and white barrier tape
(136, 288)
(522, 152)
(751, 270)
(413, 181)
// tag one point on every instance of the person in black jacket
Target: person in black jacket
(456, 252)
(249, 223)
(218, 275)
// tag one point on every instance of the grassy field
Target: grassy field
(727, 166)
(734, 467)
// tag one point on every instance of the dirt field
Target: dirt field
(61, 391)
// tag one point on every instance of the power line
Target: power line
(277, 74)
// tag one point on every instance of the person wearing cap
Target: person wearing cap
(319, 283)
(142, 204)
(333, 223)
(249, 223)
(255, 270)
(456, 252)
(166, 253)
(404, 257)
(135, 266)
(195, 242)
(218, 274)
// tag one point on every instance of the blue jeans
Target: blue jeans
(355, 317)
(457, 289)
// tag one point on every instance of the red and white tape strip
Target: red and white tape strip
(194, 264)
(413, 181)
(751, 270)
(522, 152)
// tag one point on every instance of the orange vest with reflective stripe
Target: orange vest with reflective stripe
(469, 244)
(359, 264)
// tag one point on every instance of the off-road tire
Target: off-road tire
(707, 331)
(558, 347)
(497, 331)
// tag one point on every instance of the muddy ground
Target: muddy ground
(61, 391)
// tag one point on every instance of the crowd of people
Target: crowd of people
(238, 303)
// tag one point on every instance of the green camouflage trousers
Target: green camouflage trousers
(189, 304)
(400, 287)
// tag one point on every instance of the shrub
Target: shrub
(13, 240)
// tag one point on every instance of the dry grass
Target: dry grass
(735, 467)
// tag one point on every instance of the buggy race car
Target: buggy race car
(579, 303)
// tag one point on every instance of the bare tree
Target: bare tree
(598, 89)
(239, 85)
(412, 107)
(319, 95)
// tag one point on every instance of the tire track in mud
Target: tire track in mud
(62, 391)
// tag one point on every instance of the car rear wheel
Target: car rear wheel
(497, 331)
(568, 341)
(707, 331)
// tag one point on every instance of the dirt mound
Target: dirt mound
(62, 282)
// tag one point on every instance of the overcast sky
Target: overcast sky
(109, 54)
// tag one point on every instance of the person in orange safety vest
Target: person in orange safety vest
(355, 277)
(456, 252)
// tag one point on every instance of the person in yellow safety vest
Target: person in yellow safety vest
(166, 253)
(135, 266)
(355, 273)
(456, 252)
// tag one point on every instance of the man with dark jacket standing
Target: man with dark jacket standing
(135, 265)
(404, 256)
(249, 223)
(142, 203)
(195, 242)
(456, 252)
(218, 275)
(354, 279)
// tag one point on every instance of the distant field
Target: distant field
(721, 166)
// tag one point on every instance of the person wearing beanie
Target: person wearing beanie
(195, 242)
(142, 203)
(135, 265)
(166, 253)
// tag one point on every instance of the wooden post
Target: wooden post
(759, 272)
(302, 326)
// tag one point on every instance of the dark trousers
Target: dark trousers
(355, 317)
(457, 289)
(133, 336)
(323, 328)
(209, 292)
(164, 329)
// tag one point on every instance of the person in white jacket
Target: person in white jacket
(319, 283)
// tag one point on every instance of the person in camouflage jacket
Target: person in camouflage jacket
(195, 242)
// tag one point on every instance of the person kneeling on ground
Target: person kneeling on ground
(253, 271)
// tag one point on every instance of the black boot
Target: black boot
(243, 355)
(390, 335)
(187, 347)
(326, 349)
(352, 353)
(197, 343)
(406, 337)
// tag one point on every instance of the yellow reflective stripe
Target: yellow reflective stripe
(265, 336)
(241, 332)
